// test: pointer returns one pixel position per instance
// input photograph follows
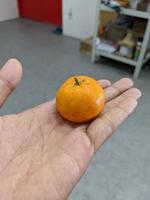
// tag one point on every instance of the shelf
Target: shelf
(147, 58)
(129, 12)
(116, 57)
(146, 39)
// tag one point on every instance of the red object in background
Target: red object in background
(42, 10)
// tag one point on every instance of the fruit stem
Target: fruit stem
(77, 81)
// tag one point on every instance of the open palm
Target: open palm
(42, 156)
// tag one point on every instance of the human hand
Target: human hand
(43, 156)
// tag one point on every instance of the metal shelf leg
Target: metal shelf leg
(143, 51)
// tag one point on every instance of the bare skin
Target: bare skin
(42, 156)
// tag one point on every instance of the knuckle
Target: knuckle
(108, 122)
(5, 84)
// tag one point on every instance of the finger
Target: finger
(104, 83)
(10, 76)
(102, 128)
(131, 93)
(118, 88)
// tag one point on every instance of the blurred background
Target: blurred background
(54, 39)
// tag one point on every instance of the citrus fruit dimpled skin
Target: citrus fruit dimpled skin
(80, 99)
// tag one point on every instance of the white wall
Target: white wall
(8, 9)
(79, 17)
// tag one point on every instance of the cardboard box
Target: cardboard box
(106, 18)
(114, 34)
(139, 26)
(142, 6)
(86, 45)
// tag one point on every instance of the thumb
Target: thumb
(10, 76)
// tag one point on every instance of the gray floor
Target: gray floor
(121, 169)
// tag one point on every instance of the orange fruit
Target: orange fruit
(80, 99)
